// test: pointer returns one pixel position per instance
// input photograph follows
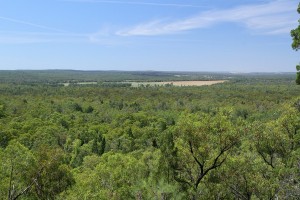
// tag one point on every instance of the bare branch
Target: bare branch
(265, 159)
(215, 164)
(10, 181)
(197, 161)
(24, 191)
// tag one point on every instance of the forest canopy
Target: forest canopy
(235, 140)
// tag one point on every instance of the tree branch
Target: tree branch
(24, 191)
(197, 161)
(215, 163)
(10, 181)
(34, 181)
(238, 193)
(265, 159)
(182, 181)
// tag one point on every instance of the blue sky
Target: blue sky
(168, 35)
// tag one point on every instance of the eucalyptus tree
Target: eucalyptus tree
(295, 33)
(203, 143)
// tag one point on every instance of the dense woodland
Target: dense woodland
(236, 140)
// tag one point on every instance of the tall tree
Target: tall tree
(296, 44)
(17, 166)
(203, 142)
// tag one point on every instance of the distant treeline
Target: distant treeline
(73, 76)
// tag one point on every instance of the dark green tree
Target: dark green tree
(2, 113)
(296, 44)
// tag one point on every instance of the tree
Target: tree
(26, 175)
(277, 143)
(53, 177)
(2, 113)
(203, 143)
(17, 166)
(113, 176)
(296, 44)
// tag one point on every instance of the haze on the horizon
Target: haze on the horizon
(168, 35)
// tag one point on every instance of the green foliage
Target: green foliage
(5, 138)
(54, 175)
(238, 140)
(108, 79)
(295, 33)
(113, 178)
(18, 165)
(248, 177)
(203, 142)
(277, 144)
(2, 111)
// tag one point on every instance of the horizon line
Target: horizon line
(116, 70)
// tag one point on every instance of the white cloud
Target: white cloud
(274, 17)
(47, 34)
(106, 38)
(53, 35)
(32, 24)
(103, 37)
(40, 37)
(135, 3)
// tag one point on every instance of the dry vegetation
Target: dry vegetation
(178, 83)
(194, 83)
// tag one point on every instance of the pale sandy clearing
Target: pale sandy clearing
(194, 83)
(178, 83)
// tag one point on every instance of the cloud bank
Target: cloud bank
(274, 17)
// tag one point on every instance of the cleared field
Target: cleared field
(177, 83)
(164, 83)
(81, 83)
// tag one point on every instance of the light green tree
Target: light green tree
(277, 143)
(114, 177)
(17, 167)
(204, 142)
(53, 176)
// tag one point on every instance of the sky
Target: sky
(160, 35)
